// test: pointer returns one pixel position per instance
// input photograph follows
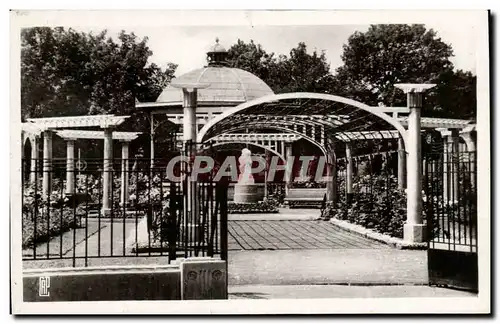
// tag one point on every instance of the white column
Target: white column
(445, 134)
(124, 188)
(349, 172)
(453, 141)
(471, 158)
(107, 171)
(331, 184)
(189, 133)
(34, 159)
(414, 230)
(401, 163)
(189, 122)
(152, 143)
(47, 163)
(288, 156)
(450, 164)
(70, 167)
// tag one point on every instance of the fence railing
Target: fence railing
(119, 208)
(451, 200)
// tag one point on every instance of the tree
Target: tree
(388, 54)
(303, 72)
(70, 73)
(455, 96)
(300, 72)
(64, 72)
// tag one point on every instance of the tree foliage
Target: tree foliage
(375, 60)
(65, 72)
(70, 73)
(298, 72)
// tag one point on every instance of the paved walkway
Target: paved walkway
(293, 235)
(293, 248)
(328, 266)
(341, 291)
(283, 249)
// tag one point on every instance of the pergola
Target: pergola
(34, 128)
(324, 119)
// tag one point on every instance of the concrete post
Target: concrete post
(189, 122)
(450, 164)
(189, 135)
(288, 156)
(107, 171)
(152, 143)
(471, 149)
(401, 164)
(349, 172)
(70, 167)
(453, 141)
(445, 134)
(47, 163)
(34, 159)
(414, 230)
(124, 188)
(189, 129)
(331, 184)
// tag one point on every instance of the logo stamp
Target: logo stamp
(43, 286)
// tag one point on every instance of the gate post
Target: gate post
(190, 100)
(414, 230)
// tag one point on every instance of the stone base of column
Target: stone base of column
(415, 233)
(106, 212)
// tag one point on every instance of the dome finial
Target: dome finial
(217, 55)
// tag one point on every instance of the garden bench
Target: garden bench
(306, 197)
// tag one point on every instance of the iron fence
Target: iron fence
(119, 208)
(450, 200)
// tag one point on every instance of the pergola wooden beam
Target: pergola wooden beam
(103, 121)
(83, 134)
(431, 122)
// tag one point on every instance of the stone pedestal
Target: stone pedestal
(203, 279)
(248, 193)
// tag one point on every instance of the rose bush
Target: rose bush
(268, 206)
(377, 205)
(44, 218)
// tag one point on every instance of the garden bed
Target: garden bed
(261, 207)
(377, 205)
(59, 221)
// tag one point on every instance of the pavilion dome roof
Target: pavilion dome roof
(227, 85)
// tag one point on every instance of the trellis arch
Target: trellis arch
(250, 143)
(291, 131)
(336, 114)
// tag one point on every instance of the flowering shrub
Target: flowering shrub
(307, 184)
(268, 206)
(377, 205)
(58, 221)
(42, 218)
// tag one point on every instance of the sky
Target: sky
(187, 45)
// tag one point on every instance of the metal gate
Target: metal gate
(450, 207)
(147, 214)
